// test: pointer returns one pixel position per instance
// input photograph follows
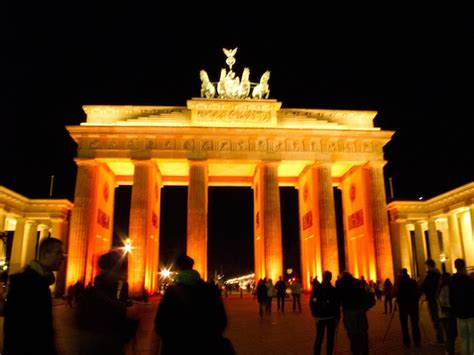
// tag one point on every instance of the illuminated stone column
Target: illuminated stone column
(420, 248)
(327, 219)
(3, 216)
(434, 243)
(196, 246)
(397, 229)
(378, 208)
(17, 254)
(3, 246)
(43, 233)
(82, 219)
(270, 219)
(406, 250)
(142, 230)
(31, 241)
(455, 244)
(470, 249)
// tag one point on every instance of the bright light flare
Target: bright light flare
(127, 246)
(165, 273)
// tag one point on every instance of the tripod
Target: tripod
(390, 322)
(419, 323)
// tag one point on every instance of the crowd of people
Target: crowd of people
(191, 316)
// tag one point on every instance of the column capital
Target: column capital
(376, 164)
(274, 163)
(86, 162)
(323, 164)
(142, 162)
(198, 162)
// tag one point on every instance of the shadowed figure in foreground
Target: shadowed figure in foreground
(191, 316)
(28, 326)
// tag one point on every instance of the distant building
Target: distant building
(24, 223)
(441, 228)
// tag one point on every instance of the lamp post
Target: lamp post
(443, 258)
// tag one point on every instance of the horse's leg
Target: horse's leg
(268, 94)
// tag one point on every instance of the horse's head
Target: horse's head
(265, 77)
(203, 75)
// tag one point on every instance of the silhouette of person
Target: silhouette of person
(28, 327)
(280, 287)
(191, 317)
(429, 288)
(407, 295)
(261, 296)
(108, 328)
(296, 290)
(353, 296)
(461, 299)
(388, 295)
(325, 308)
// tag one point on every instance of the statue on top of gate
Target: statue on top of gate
(231, 86)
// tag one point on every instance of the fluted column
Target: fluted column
(434, 243)
(82, 220)
(271, 220)
(17, 258)
(420, 249)
(138, 230)
(196, 246)
(43, 234)
(397, 230)
(3, 217)
(3, 246)
(454, 237)
(327, 219)
(378, 208)
(31, 241)
(407, 254)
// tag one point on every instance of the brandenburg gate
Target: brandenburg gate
(231, 140)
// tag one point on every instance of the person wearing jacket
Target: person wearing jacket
(28, 327)
(407, 295)
(461, 299)
(191, 316)
(429, 288)
(325, 308)
(354, 298)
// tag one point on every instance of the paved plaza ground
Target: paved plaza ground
(279, 333)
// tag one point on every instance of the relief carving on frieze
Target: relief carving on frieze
(367, 147)
(349, 147)
(206, 145)
(188, 144)
(241, 145)
(223, 145)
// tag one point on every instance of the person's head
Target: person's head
(109, 261)
(404, 272)
(460, 265)
(430, 264)
(327, 276)
(51, 254)
(184, 262)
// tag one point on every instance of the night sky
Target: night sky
(413, 66)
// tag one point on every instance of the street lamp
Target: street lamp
(443, 258)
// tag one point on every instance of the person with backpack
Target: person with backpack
(355, 302)
(325, 308)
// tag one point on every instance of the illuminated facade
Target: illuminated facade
(441, 228)
(24, 223)
(232, 142)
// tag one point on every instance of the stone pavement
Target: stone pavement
(285, 334)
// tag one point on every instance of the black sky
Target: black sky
(413, 66)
